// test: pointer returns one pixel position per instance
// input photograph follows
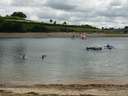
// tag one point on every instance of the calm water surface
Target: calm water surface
(67, 60)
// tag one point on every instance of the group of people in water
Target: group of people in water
(82, 36)
(100, 48)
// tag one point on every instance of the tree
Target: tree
(51, 20)
(102, 28)
(19, 14)
(54, 22)
(126, 29)
(64, 23)
(65, 27)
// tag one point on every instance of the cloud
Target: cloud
(109, 13)
(5, 2)
(60, 4)
(27, 3)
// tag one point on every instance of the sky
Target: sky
(99, 13)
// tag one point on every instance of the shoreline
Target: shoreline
(87, 88)
(55, 35)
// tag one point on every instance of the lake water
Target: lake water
(66, 60)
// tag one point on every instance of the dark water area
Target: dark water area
(66, 59)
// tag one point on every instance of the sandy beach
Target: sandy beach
(67, 90)
(36, 35)
(89, 88)
(55, 35)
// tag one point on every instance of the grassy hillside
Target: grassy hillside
(17, 24)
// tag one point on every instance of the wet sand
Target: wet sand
(67, 90)
(91, 88)
(36, 35)
(55, 34)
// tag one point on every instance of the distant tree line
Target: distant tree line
(17, 22)
(19, 14)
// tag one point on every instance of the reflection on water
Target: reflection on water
(18, 52)
(1, 53)
(67, 59)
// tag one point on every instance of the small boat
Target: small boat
(94, 48)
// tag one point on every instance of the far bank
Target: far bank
(55, 35)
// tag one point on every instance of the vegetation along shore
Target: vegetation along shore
(17, 22)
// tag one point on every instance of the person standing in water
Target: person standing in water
(24, 57)
(43, 56)
(83, 36)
